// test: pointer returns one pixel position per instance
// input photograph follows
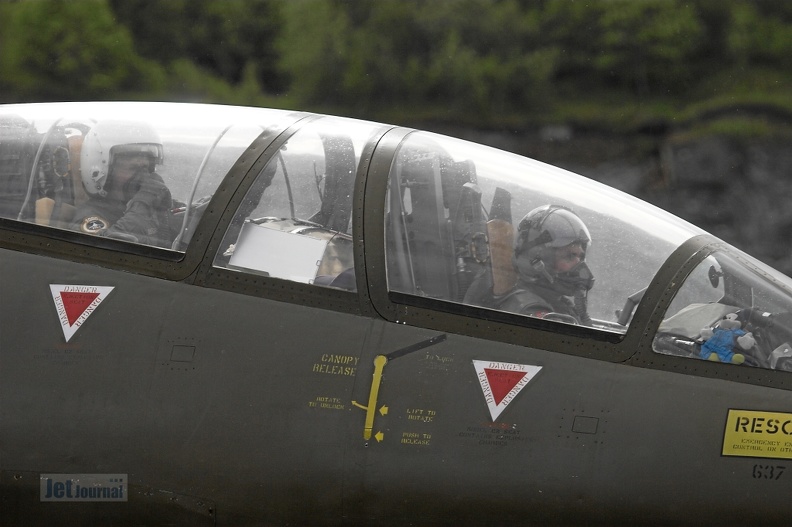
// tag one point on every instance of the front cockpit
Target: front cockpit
(453, 221)
(457, 212)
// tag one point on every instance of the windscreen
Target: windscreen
(731, 309)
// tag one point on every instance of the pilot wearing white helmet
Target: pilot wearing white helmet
(128, 199)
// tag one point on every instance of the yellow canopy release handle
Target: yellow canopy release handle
(379, 364)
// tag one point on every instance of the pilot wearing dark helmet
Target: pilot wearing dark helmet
(128, 200)
(550, 260)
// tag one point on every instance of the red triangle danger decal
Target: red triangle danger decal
(75, 303)
(501, 382)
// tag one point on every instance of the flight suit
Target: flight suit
(537, 300)
(145, 218)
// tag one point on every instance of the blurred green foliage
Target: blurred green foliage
(616, 64)
(69, 50)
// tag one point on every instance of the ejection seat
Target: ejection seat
(500, 277)
(58, 211)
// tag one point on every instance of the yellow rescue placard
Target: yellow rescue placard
(751, 433)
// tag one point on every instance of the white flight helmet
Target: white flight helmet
(108, 139)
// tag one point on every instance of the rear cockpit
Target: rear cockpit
(56, 158)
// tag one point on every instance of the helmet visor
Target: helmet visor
(151, 150)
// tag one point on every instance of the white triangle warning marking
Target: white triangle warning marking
(75, 303)
(502, 381)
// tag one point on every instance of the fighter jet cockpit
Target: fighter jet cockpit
(466, 229)
(106, 170)
(113, 170)
(476, 227)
